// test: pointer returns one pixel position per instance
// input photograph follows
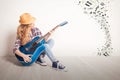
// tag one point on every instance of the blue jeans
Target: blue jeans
(44, 47)
(48, 51)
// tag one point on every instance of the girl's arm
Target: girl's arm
(24, 56)
(16, 51)
(37, 32)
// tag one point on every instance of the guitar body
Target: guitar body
(29, 49)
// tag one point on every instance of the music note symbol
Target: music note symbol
(88, 3)
(79, 2)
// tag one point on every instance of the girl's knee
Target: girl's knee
(50, 41)
(45, 45)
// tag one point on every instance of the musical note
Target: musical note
(96, 8)
(79, 2)
(88, 3)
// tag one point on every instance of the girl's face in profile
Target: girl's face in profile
(32, 25)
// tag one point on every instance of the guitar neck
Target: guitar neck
(47, 34)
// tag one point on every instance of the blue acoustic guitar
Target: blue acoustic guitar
(35, 47)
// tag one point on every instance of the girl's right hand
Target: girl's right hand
(27, 58)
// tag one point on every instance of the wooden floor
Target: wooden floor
(79, 68)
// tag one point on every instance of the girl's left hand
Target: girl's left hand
(27, 58)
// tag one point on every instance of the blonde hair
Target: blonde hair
(23, 31)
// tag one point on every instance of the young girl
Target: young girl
(26, 32)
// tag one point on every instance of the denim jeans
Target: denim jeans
(44, 47)
(48, 46)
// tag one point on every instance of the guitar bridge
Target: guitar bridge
(34, 44)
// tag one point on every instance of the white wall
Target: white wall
(81, 37)
(115, 25)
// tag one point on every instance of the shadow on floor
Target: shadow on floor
(9, 55)
(12, 60)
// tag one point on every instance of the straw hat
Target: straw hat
(26, 18)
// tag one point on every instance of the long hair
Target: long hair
(23, 31)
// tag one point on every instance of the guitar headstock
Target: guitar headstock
(63, 23)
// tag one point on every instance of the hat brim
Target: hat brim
(29, 21)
